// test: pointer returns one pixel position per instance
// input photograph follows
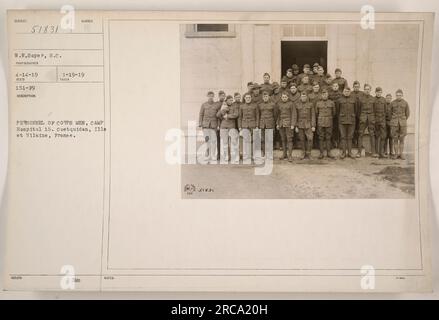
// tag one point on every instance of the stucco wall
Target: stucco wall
(385, 57)
(207, 64)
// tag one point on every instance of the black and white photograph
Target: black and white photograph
(300, 110)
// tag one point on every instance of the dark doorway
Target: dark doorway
(303, 52)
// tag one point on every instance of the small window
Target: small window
(210, 30)
(212, 27)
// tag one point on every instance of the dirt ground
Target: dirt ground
(303, 179)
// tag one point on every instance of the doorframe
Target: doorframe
(277, 38)
(295, 39)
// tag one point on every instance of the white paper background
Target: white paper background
(228, 5)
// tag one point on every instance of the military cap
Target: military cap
(236, 94)
(338, 70)
(295, 67)
(306, 66)
(399, 91)
(249, 83)
(229, 97)
(316, 65)
(356, 82)
(256, 86)
(290, 70)
(324, 91)
(378, 89)
(328, 76)
(284, 79)
(265, 92)
(221, 92)
(210, 93)
(275, 85)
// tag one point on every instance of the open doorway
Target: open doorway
(303, 52)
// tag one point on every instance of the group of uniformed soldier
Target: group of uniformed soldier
(309, 103)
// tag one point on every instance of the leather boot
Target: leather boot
(401, 149)
(350, 149)
(395, 149)
(290, 151)
(322, 148)
(372, 147)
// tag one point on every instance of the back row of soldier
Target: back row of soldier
(314, 101)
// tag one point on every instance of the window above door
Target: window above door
(210, 30)
(302, 31)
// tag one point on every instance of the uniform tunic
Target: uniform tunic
(232, 113)
(341, 82)
(267, 115)
(248, 116)
(325, 112)
(208, 115)
(400, 111)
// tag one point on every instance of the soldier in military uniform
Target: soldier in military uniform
(296, 72)
(367, 120)
(284, 86)
(248, 120)
(208, 121)
(357, 93)
(315, 67)
(320, 77)
(334, 94)
(380, 122)
(294, 94)
(221, 97)
(315, 95)
(290, 78)
(305, 86)
(275, 97)
(325, 112)
(304, 121)
(400, 112)
(228, 114)
(267, 86)
(306, 72)
(250, 87)
(327, 83)
(256, 94)
(220, 102)
(237, 100)
(339, 79)
(267, 120)
(313, 73)
(389, 141)
(285, 109)
(346, 105)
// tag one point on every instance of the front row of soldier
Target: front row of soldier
(304, 116)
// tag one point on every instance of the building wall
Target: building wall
(207, 64)
(386, 57)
